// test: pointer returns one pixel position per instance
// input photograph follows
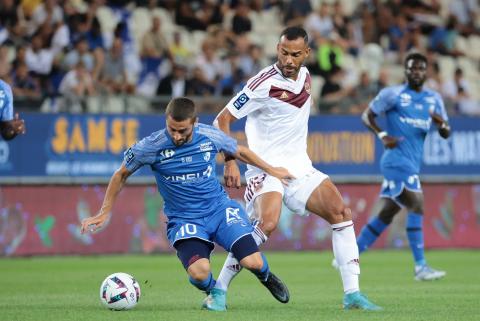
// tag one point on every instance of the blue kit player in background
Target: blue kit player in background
(410, 110)
(199, 211)
(9, 126)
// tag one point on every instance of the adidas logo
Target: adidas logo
(234, 267)
(284, 95)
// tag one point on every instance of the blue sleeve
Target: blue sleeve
(6, 102)
(440, 107)
(141, 153)
(222, 141)
(383, 102)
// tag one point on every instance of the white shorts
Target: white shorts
(295, 195)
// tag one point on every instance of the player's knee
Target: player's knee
(339, 213)
(252, 262)
(416, 207)
(386, 217)
(200, 270)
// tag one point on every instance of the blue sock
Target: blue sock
(370, 233)
(415, 237)
(263, 273)
(205, 285)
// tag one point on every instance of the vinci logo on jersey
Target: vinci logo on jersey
(241, 100)
(189, 177)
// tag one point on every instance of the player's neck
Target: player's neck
(415, 88)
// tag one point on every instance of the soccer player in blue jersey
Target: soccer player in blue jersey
(199, 211)
(10, 126)
(410, 110)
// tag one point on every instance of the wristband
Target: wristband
(228, 158)
(381, 134)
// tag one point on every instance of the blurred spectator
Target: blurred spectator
(82, 53)
(434, 79)
(197, 15)
(467, 12)
(178, 51)
(335, 97)
(47, 12)
(296, 12)
(154, 49)
(176, 83)
(75, 87)
(457, 91)
(329, 55)
(399, 36)
(113, 76)
(199, 86)
(363, 93)
(5, 64)
(39, 60)
(319, 22)
(251, 62)
(241, 23)
(209, 64)
(442, 39)
(25, 88)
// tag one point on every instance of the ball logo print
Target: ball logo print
(120, 291)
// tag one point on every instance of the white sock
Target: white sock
(345, 250)
(232, 267)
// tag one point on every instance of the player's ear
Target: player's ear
(307, 51)
(195, 120)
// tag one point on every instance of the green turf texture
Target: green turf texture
(67, 288)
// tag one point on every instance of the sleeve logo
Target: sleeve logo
(241, 100)
(129, 156)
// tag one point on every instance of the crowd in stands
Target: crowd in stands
(84, 55)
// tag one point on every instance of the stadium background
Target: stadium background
(92, 77)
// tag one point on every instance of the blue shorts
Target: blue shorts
(394, 182)
(224, 226)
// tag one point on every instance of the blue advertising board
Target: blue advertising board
(60, 147)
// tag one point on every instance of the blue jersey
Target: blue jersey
(408, 119)
(185, 175)
(6, 102)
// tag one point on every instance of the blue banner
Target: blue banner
(62, 145)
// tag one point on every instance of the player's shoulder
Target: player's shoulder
(431, 93)
(394, 90)
(153, 142)
(205, 129)
(4, 86)
(262, 79)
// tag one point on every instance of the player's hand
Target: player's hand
(390, 141)
(17, 125)
(442, 125)
(91, 224)
(231, 174)
(282, 174)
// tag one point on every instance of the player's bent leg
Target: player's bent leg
(413, 200)
(268, 207)
(326, 202)
(378, 223)
(246, 251)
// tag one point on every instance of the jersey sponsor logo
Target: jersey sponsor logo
(416, 122)
(206, 156)
(241, 100)
(189, 177)
(231, 216)
(129, 155)
(167, 153)
(206, 147)
(418, 106)
(405, 100)
(430, 100)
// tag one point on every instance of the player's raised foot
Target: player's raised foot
(277, 288)
(426, 273)
(358, 300)
(215, 301)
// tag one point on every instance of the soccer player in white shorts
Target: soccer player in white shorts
(277, 104)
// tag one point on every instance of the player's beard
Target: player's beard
(290, 71)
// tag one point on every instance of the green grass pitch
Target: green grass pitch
(67, 288)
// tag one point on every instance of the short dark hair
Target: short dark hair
(415, 56)
(292, 33)
(181, 109)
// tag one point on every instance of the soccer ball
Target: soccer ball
(119, 291)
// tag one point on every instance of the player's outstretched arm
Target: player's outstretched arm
(245, 155)
(12, 128)
(231, 172)
(442, 125)
(368, 118)
(115, 185)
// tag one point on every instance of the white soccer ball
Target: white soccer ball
(119, 291)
